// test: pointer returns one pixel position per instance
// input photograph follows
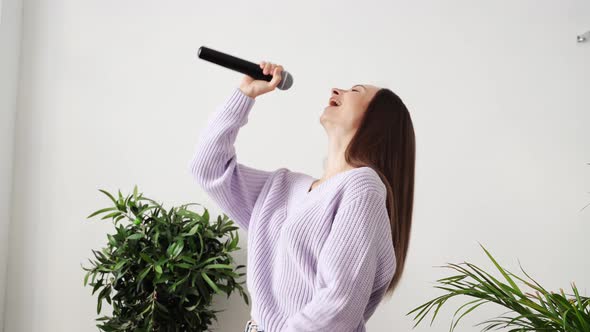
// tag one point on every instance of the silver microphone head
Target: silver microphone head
(286, 80)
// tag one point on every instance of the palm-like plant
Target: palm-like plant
(541, 311)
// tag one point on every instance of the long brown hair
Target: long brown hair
(385, 141)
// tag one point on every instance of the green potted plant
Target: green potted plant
(161, 268)
(539, 311)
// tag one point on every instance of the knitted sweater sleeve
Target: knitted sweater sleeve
(233, 186)
(346, 268)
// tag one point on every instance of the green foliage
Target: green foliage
(160, 270)
(541, 311)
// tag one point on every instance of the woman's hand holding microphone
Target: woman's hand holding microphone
(254, 88)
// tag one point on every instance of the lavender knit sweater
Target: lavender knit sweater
(318, 260)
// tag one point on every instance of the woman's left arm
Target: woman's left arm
(346, 268)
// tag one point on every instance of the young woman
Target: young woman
(322, 253)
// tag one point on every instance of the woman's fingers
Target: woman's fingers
(267, 68)
(276, 78)
(253, 87)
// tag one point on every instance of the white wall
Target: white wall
(498, 91)
(10, 37)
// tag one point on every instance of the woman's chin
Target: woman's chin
(329, 111)
(327, 116)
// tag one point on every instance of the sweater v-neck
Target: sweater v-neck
(326, 183)
(304, 198)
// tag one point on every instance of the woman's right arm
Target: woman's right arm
(214, 166)
(233, 186)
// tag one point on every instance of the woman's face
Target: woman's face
(346, 107)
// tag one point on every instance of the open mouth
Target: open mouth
(334, 102)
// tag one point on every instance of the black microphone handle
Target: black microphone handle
(231, 62)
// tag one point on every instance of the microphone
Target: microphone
(245, 67)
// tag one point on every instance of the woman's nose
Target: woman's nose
(335, 91)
